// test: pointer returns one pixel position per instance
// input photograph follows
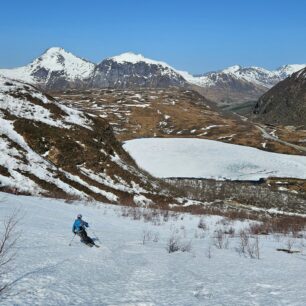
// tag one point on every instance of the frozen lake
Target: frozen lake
(202, 158)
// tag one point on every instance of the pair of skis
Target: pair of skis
(92, 245)
(89, 244)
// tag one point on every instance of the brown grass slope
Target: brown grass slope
(173, 112)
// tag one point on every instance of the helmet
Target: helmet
(79, 216)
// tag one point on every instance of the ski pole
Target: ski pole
(71, 240)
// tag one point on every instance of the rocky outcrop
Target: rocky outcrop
(285, 103)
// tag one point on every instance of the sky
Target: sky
(192, 35)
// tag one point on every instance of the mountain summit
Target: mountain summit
(55, 69)
(130, 70)
(133, 58)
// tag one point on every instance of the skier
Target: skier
(78, 228)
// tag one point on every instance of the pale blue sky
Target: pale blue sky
(193, 35)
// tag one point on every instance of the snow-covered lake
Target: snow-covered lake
(124, 271)
(202, 158)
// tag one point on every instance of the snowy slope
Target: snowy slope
(17, 157)
(52, 67)
(123, 271)
(211, 159)
(287, 70)
(49, 149)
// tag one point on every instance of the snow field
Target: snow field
(203, 158)
(126, 271)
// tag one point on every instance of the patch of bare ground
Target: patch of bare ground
(4, 171)
(171, 113)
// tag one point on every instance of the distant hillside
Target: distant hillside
(285, 103)
(238, 84)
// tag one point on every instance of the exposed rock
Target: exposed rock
(285, 103)
(134, 71)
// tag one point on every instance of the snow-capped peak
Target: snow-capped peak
(287, 70)
(58, 59)
(53, 50)
(232, 69)
(54, 59)
(127, 70)
(130, 57)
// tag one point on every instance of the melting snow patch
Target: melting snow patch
(141, 200)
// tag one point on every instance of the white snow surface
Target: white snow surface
(124, 271)
(130, 57)
(202, 158)
(24, 108)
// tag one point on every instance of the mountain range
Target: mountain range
(57, 70)
(240, 84)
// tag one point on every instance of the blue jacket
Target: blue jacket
(78, 225)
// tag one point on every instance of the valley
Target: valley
(177, 112)
(152, 153)
(129, 97)
(184, 114)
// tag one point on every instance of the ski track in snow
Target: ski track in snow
(123, 271)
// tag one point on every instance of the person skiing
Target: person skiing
(78, 228)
